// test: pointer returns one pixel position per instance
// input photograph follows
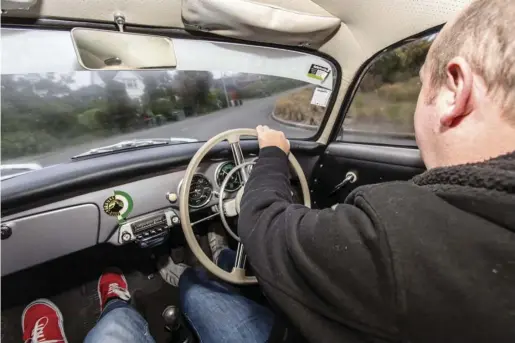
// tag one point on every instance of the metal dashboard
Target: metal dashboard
(63, 227)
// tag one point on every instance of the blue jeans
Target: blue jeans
(217, 312)
(120, 322)
(214, 309)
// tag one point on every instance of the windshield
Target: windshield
(49, 117)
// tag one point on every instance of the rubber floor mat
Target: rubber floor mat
(71, 283)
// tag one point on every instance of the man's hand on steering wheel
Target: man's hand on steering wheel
(268, 137)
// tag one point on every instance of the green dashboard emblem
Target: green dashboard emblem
(119, 205)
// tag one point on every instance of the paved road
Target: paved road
(249, 115)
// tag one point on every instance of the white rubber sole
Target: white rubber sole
(51, 305)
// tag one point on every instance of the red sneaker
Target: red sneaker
(112, 284)
(42, 322)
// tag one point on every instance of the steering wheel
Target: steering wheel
(230, 207)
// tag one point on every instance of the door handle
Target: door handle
(350, 177)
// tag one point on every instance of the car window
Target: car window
(382, 109)
(53, 109)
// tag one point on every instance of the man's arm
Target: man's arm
(332, 262)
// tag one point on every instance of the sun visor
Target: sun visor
(289, 22)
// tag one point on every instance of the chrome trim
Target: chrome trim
(237, 154)
(241, 257)
(126, 227)
(217, 171)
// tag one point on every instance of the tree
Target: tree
(397, 65)
(120, 113)
(193, 88)
(159, 95)
(34, 116)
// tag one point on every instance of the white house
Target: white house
(133, 83)
(132, 80)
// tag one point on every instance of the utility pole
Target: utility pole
(225, 90)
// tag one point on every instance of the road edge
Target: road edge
(293, 124)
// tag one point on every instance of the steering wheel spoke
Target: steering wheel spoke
(241, 257)
(229, 208)
(239, 159)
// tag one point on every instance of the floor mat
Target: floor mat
(71, 283)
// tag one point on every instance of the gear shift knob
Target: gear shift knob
(171, 317)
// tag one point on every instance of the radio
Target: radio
(148, 230)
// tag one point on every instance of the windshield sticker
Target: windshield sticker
(119, 205)
(318, 72)
(321, 97)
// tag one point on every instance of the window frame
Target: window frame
(68, 25)
(374, 138)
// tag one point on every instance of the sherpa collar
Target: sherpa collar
(494, 174)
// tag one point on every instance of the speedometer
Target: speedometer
(200, 191)
(234, 183)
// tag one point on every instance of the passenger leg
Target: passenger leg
(119, 321)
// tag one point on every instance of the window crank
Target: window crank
(350, 177)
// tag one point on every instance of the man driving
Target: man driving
(429, 260)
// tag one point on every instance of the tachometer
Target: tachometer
(200, 191)
(234, 182)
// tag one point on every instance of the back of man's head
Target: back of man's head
(484, 34)
(466, 112)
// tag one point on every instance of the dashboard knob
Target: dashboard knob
(172, 197)
(6, 232)
(175, 220)
(126, 237)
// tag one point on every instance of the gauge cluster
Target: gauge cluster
(206, 184)
(201, 191)
(221, 172)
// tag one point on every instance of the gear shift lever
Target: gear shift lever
(171, 317)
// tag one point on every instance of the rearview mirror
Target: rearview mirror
(98, 49)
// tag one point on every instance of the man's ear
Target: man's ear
(459, 83)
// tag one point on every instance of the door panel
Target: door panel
(371, 164)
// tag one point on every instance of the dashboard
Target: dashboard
(62, 209)
(151, 212)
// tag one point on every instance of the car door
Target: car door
(375, 141)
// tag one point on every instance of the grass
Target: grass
(389, 108)
(296, 107)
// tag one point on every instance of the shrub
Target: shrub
(296, 107)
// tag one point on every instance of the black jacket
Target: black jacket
(432, 260)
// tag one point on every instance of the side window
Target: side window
(382, 109)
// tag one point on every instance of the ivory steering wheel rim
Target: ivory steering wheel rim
(237, 275)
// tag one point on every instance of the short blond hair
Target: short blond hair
(483, 34)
